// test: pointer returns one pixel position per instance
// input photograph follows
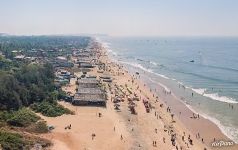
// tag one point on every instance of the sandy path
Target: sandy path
(84, 123)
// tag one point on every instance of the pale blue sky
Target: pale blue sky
(120, 17)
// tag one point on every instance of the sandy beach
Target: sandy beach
(146, 128)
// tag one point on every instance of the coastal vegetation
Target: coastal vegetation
(30, 83)
(50, 109)
(12, 141)
(22, 118)
(28, 86)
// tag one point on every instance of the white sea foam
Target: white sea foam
(138, 66)
(230, 132)
(161, 75)
(165, 87)
(214, 96)
(153, 63)
(105, 45)
(162, 85)
(112, 52)
(199, 91)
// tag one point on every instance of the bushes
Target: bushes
(22, 118)
(41, 127)
(11, 141)
(38, 127)
(50, 109)
(27, 84)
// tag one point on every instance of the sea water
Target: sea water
(204, 66)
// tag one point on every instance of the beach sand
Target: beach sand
(124, 130)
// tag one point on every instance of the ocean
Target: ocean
(206, 67)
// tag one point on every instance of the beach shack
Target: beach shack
(87, 83)
(85, 99)
(85, 65)
(89, 93)
(105, 78)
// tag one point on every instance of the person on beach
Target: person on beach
(121, 137)
(163, 139)
(172, 116)
(93, 135)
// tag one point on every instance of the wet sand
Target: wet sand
(206, 129)
(120, 129)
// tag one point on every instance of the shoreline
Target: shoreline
(200, 125)
(123, 129)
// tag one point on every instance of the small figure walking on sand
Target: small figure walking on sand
(93, 135)
(121, 137)
(163, 139)
(154, 143)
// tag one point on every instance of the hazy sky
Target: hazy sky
(120, 17)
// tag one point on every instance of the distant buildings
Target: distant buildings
(62, 77)
(61, 62)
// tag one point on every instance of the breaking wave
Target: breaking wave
(214, 96)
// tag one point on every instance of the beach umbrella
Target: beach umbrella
(117, 108)
(116, 105)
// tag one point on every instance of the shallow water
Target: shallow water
(206, 67)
